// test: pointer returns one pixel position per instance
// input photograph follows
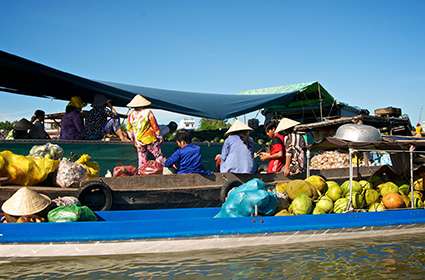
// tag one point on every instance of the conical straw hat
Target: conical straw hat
(25, 202)
(77, 102)
(238, 126)
(286, 123)
(23, 124)
(138, 101)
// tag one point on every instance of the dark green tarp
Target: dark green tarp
(22, 76)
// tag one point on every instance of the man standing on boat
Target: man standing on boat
(143, 131)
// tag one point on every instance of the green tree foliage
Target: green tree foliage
(209, 124)
(6, 125)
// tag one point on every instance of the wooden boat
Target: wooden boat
(180, 230)
(167, 191)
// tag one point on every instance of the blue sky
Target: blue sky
(366, 53)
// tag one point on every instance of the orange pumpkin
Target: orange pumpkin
(393, 200)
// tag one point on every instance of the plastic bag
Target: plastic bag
(71, 213)
(16, 168)
(70, 173)
(91, 167)
(86, 214)
(124, 170)
(2, 162)
(45, 166)
(151, 167)
(48, 150)
(26, 170)
(68, 213)
(248, 198)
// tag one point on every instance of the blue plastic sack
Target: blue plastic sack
(241, 201)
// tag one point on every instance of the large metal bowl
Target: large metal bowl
(358, 133)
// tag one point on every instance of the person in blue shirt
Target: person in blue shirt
(186, 159)
(237, 153)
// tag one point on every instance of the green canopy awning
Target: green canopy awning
(308, 94)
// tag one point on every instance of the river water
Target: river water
(383, 258)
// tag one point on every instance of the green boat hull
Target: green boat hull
(108, 154)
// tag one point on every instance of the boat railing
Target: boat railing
(411, 152)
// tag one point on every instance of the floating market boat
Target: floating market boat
(180, 230)
(169, 191)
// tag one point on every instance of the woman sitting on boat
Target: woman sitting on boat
(187, 159)
(20, 130)
(143, 131)
(238, 149)
(276, 153)
(294, 147)
(26, 205)
(102, 119)
(113, 125)
(37, 130)
(95, 119)
(72, 126)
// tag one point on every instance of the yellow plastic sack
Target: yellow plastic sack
(26, 170)
(16, 168)
(91, 167)
(45, 167)
(1, 163)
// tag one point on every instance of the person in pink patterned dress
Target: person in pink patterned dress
(143, 131)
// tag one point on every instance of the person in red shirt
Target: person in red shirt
(276, 154)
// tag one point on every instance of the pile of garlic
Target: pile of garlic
(329, 160)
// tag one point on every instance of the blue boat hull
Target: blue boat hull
(174, 230)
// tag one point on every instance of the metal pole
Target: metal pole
(308, 162)
(412, 189)
(357, 166)
(321, 102)
(350, 155)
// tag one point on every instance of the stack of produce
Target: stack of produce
(314, 195)
(48, 150)
(330, 159)
(90, 166)
(70, 173)
(42, 161)
(26, 170)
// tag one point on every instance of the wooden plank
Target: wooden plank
(3, 180)
(183, 181)
(52, 192)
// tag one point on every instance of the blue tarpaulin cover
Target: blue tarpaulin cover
(22, 76)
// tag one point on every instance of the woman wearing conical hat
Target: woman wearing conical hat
(143, 130)
(26, 205)
(238, 150)
(294, 147)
